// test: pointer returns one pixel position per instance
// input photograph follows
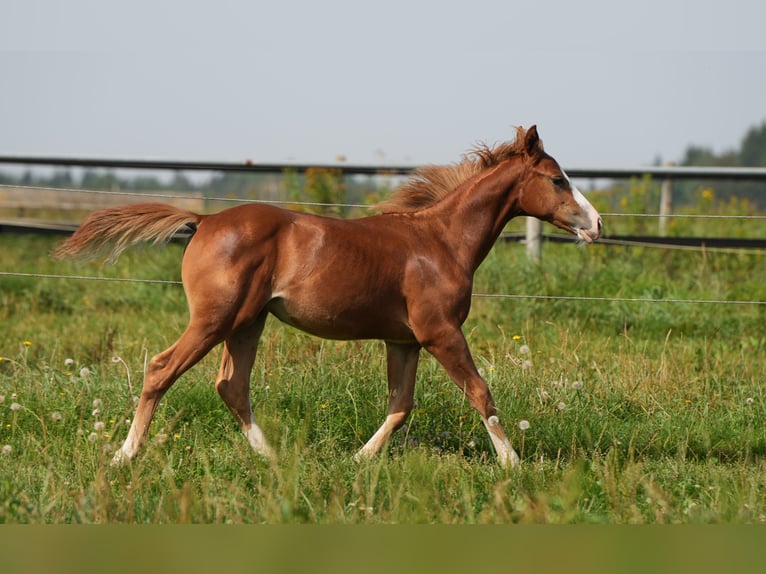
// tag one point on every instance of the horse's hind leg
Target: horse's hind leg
(233, 383)
(164, 369)
(402, 367)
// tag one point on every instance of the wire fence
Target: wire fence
(622, 242)
(477, 295)
(206, 198)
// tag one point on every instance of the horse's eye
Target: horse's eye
(559, 181)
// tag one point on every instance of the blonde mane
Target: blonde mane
(431, 183)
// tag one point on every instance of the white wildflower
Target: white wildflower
(56, 416)
(68, 362)
(523, 424)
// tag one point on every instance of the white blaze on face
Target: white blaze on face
(595, 220)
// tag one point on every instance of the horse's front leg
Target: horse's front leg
(402, 366)
(450, 348)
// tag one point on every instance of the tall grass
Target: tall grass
(637, 412)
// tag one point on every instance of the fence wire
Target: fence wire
(296, 203)
(365, 206)
(477, 295)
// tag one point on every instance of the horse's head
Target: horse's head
(547, 193)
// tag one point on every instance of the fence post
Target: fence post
(534, 239)
(666, 203)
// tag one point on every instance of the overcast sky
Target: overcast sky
(608, 83)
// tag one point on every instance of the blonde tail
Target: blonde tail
(108, 232)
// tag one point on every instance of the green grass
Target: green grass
(638, 412)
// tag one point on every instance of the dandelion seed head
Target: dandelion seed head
(482, 373)
(561, 406)
(749, 401)
(116, 359)
(68, 362)
(84, 372)
(7, 449)
(99, 426)
(56, 416)
(524, 349)
(92, 437)
(96, 412)
(577, 385)
(523, 424)
(15, 406)
(97, 403)
(526, 365)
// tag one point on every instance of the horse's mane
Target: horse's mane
(431, 183)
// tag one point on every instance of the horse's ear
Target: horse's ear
(532, 143)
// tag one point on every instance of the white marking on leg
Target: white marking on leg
(129, 448)
(257, 439)
(377, 440)
(506, 456)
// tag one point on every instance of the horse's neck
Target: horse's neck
(475, 214)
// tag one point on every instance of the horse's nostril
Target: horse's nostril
(599, 225)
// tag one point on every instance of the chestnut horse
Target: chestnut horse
(403, 276)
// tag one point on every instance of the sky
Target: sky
(608, 83)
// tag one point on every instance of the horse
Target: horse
(402, 275)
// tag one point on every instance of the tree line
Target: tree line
(329, 186)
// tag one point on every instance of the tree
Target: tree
(753, 150)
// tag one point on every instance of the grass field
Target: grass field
(637, 412)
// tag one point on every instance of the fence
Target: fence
(533, 239)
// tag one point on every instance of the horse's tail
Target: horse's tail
(108, 232)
